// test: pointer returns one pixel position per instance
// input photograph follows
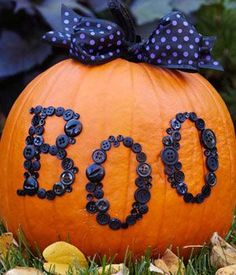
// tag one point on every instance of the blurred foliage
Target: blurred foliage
(23, 55)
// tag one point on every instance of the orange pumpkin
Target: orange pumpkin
(136, 100)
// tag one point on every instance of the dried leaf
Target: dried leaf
(6, 240)
(24, 271)
(161, 265)
(156, 269)
(174, 263)
(228, 270)
(118, 269)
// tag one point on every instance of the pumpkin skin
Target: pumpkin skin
(136, 100)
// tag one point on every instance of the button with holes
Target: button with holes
(61, 154)
(62, 141)
(142, 195)
(90, 187)
(169, 156)
(95, 172)
(144, 170)
(67, 177)
(99, 156)
(175, 124)
(50, 110)
(67, 163)
(91, 207)
(208, 138)
(59, 111)
(38, 140)
(68, 115)
(105, 145)
(59, 189)
(141, 157)
(103, 218)
(73, 128)
(211, 179)
(115, 224)
(212, 163)
(181, 188)
(29, 152)
(128, 142)
(102, 205)
(53, 150)
(31, 186)
(44, 148)
(136, 148)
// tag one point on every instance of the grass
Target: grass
(23, 256)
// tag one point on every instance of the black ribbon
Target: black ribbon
(174, 44)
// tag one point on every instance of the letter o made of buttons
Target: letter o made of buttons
(95, 173)
(173, 166)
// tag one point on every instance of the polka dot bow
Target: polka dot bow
(174, 44)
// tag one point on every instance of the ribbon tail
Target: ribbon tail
(57, 39)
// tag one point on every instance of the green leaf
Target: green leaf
(19, 55)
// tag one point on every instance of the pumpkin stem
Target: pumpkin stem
(124, 19)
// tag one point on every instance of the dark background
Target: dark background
(23, 55)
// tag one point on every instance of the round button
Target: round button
(39, 130)
(44, 148)
(31, 130)
(95, 172)
(143, 209)
(211, 179)
(175, 124)
(199, 198)
(141, 157)
(116, 143)
(208, 138)
(181, 188)
(42, 122)
(38, 141)
(142, 195)
(167, 140)
(200, 124)
(141, 181)
(181, 117)
(111, 139)
(206, 190)
(179, 176)
(35, 120)
(105, 145)
(128, 142)
(90, 187)
(136, 148)
(59, 189)
(115, 224)
(50, 110)
(169, 170)
(188, 197)
(178, 165)
(176, 136)
(59, 111)
(29, 152)
(102, 205)
(212, 163)
(68, 115)
(67, 178)
(61, 154)
(169, 156)
(41, 193)
(98, 193)
(53, 150)
(27, 164)
(130, 220)
(103, 218)
(31, 186)
(36, 165)
(91, 207)
(120, 138)
(67, 163)
(144, 170)
(99, 156)
(38, 109)
(29, 140)
(73, 128)
(50, 195)
(62, 141)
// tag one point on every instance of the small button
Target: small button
(99, 156)
(181, 188)
(102, 205)
(211, 179)
(91, 207)
(44, 148)
(76, 116)
(181, 117)
(206, 190)
(50, 195)
(29, 152)
(143, 209)
(144, 170)
(62, 141)
(67, 178)
(36, 165)
(124, 225)
(68, 189)
(179, 176)
(38, 141)
(68, 115)
(167, 140)
(67, 164)
(95, 172)
(73, 128)
(90, 187)
(27, 164)
(128, 142)
(98, 193)
(72, 140)
(29, 140)
(89, 197)
(141, 157)
(136, 148)
(116, 143)
(31, 186)
(35, 120)
(212, 163)
(115, 224)
(61, 154)
(208, 138)
(59, 189)
(59, 111)
(39, 130)
(130, 220)
(176, 136)
(42, 122)
(188, 197)
(178, 165)
(20, 192)
(169, 170)
(31, 130)
(175, 124)
(75, 170)
(199, 198)
(50, 110)
(200, 124)
(105, 145)
(141, 181)
(103, 218)
(169, 131)
(176, 145)
(193, 116)
(142, 195)
(111, 139)
(169, 156)
(120, 138)
(53, 150)
(38, 109)
(41, 193)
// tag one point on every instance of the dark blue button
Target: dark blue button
(142, 195)
(38, 141)
(178, 165)
(98, 193)
(167, 140)
(143, 209)
(175, 124)
(59, 111)
(179, 176)
(130, 220)
(61, 154)
(44, 148)
(136, 148)
(103, 218)
(73, 128)
(111, 139)
(105, 145)
(68, 115)
(212, 163)
(120, 138)
(181, 188)
(128, 142)
(176, 136)
(211, 179)
(169, 170)
(29, 140)
(31, 186)
(180, 117)
(27, 164)
(39, 130)
(67, 163)
(50, 110)
(53, 150)
(144, 170)
(99, 156)
(200, 124)
(116, 143)
(188, 197)
(62, 141)
(41, 193)
(169, 156)
(206, 190)
(35, 120)
(141, 157)
(90, 187)
(115, 224)
(193, 116)
(95, 172)
(50, 195)
(31, 130)
(208, 139)
(102, 205)
(199, 198)
(36, 165)
(91, 207)
(38, 109)
(67, 178)
(59, 189)
(29, 152)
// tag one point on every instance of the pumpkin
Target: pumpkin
(129, 99)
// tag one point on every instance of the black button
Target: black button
(68, 115)
(67, 178)
(36, 165)
(141, 157)
(103, 218)
(178, 165)
(200, 124)
(179, 176)
(61, 154)
(128, 142)
(29, 152)
(207, 153)
(167, 140)
(176, 145)
(136, 148)
(208, 138)
(72, 140)
(105, 145)
(115, 224)
(41, 193)
(20, 192)
(59, 111)
(199, 198)
(116, 143)
(50, 110)
(111, 138)
(141, 181)
(169, 170)
(193, 116)
(73, 128)
(211, 179)
(53, 150)
(35, 120)
(67, 163)
(212, 163)
(62, 141)
(175, 124)
(181, 188)
(99, 156)
(90, 187)
(176, 136)
(130, 220)
(50, 195)
(31, 186)
(29, 140)
(91, 207)
(188, 197)
(98, 193)
(38, 109)
(181, 117)
(102, 205)
(89, 197)
(31, 130)
(144, 170)
(124, 225)
(95, 172)
(143, 209)
(27, 164)
(120, 138)
(38, 140)
(169, 131)
(142, 195)
(206, 190)
(169, 156)
(59, 189)
(44, 148)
